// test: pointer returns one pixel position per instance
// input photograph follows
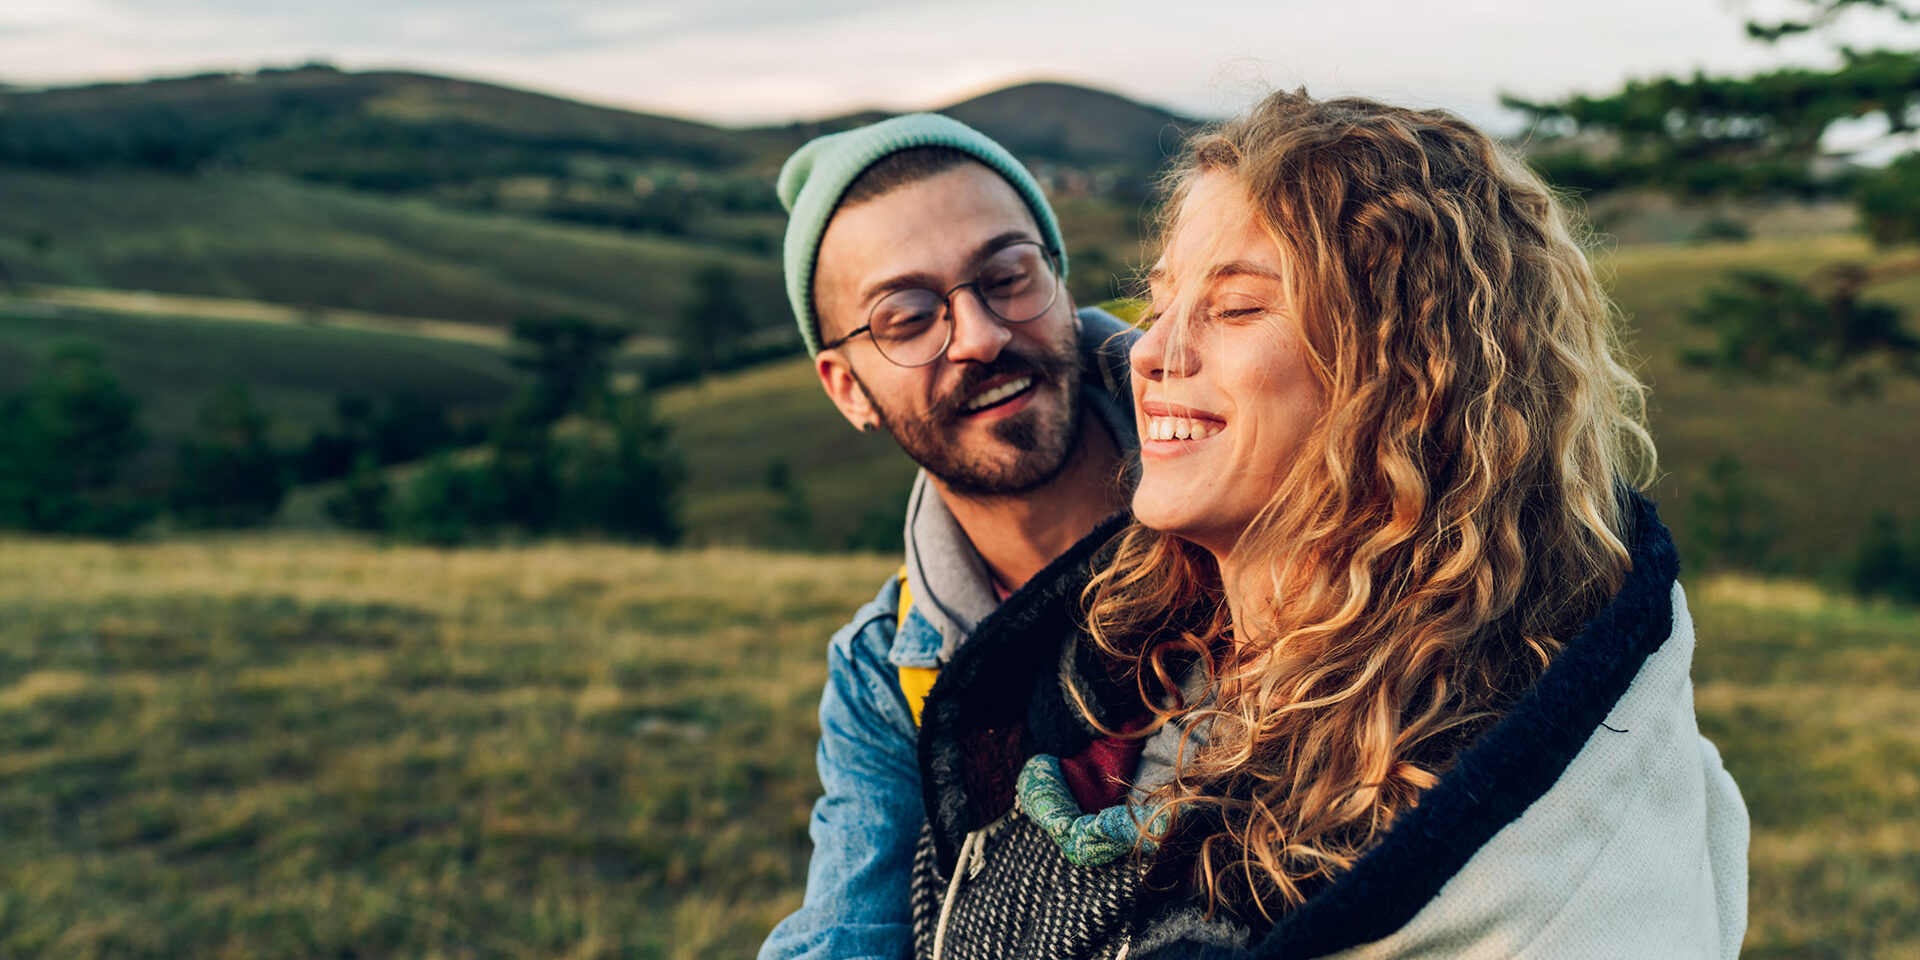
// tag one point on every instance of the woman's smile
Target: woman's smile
(1222, 386)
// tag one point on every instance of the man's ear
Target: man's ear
(836, 376)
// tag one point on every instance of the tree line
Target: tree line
(1770, 134)
(568, 454)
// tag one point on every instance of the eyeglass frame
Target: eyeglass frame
(946, 300)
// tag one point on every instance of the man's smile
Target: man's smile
(1002, 393)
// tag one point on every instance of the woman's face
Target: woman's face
(1221, 385)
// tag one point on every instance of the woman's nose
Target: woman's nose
(1158, 353)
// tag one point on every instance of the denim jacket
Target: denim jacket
(869, 816)
(865, 824)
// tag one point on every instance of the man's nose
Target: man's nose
(978, 335)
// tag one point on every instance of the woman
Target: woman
(1406, 644)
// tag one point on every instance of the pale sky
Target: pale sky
(751, 61)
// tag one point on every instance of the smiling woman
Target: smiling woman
(1398, 643)
(1215, 446)
(1389, 465)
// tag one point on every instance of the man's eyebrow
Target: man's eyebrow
(920, 278)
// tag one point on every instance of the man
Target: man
(926, 271)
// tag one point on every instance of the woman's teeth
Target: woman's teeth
(998, 394)
(1181, 428)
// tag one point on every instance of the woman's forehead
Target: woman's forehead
(1216, 233)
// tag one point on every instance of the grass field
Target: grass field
(284, 747)
(315, 748)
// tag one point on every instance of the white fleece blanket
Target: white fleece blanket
(1639, 850)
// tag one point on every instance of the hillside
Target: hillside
(1824, 465)
(425, 196)
(295, 371)
(1065, 123)
(267, 238)
(294, 747)
(370, 129)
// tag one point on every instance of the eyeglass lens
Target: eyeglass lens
(1016, 284)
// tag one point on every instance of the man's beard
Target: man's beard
(1043, 445)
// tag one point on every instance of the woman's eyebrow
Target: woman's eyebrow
(1232, 268)
(1243, 268)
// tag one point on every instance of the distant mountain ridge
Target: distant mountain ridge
(428, 196)
(398, 130)
(1049, 121)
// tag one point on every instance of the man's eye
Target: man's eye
(901, 326)
(1005, 284)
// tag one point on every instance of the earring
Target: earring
(867, 428)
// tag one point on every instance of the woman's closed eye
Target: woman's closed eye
(1234, 308)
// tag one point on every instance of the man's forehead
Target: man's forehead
(968, 195)
(931, 226)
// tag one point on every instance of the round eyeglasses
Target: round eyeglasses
(913, 326)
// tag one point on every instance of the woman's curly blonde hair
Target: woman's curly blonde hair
(1452, 519)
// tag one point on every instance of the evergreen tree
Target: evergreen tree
(1762, 135)
(230, 473)
(714, 321)
(62, 443)
(570, 359)
(623, 480)
(1733, 522)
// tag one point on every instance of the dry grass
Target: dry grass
(1815, 704)
(292, 747)
(286, 747)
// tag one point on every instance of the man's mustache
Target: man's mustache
(975, 376)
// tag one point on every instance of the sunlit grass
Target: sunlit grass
(300, 747)
(1815, 703)
(296, 748)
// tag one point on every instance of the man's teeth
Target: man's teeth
(1181, 428)
(999, 393)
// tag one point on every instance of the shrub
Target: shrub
(366, 501)
(62, 442)
(230, 473)
(1887, 561)
(1733, 522)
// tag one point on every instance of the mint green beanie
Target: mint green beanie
(818, 174)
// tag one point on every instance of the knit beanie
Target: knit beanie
(818, 174)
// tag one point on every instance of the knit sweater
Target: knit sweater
(1592, 820)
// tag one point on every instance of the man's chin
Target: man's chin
(1004, 458)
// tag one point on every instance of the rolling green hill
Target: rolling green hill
(170, 364)
(1825, 465)
(426, 196)
(266, 238)
(1066, 123)
(381, 129)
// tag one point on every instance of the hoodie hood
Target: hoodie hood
(951, 587)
